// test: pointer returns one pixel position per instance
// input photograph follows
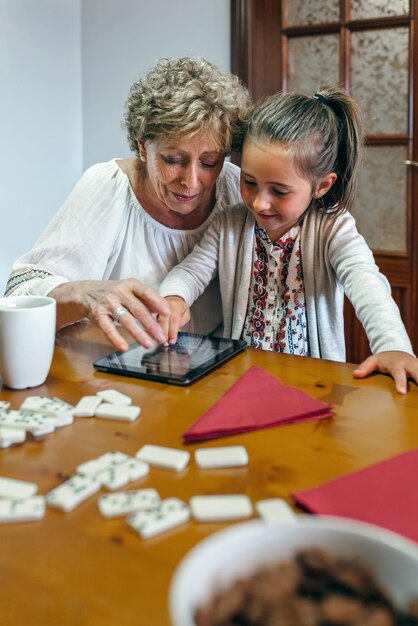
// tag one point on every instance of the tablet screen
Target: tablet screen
(180, 364)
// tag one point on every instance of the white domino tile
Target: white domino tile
(22, 510)
(220, 508)
(87, 406)
(122, 474)
(43, 430)
(170, 513)
(102, 462)
(163, 457)
(12, 488)
(117, 412)
(54, 407)
(114, 397)
(26, 420)
(11, 436)
(275, 510)
(124, 502)
(226, 456)
(64, 419)
(71, 493)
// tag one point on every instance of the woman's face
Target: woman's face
(181, 177)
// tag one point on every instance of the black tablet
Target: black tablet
(179, 364)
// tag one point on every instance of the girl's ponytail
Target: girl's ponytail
(349, 148)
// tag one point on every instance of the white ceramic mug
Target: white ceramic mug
(27, 338)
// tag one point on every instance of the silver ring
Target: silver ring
(118, 312)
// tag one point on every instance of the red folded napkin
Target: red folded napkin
(385, 494)
(257, 400)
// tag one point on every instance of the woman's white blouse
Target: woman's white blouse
(102, 232)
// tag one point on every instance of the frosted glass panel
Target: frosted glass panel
(313, 61)
(364, 9)
(312, 12)
(380, 207)
(379, 78)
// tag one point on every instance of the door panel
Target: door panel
(310, 59)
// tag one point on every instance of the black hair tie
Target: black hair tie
(322, 99)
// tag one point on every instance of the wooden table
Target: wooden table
(78, 569)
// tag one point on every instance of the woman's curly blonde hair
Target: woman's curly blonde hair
(185, 97)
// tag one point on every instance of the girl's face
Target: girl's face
(273, 190)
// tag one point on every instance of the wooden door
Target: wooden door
(369, 47)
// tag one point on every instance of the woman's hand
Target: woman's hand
(400, 365)
(178, 316)
(99, 299)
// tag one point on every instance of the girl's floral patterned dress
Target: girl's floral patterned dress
(276, 314)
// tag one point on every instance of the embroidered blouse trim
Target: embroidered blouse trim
(22, 277)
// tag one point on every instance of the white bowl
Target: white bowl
(235, 552)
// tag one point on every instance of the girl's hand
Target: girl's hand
(179, 316)
(98, 300)
(400, 365)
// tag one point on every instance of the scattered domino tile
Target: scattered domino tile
(54, 408)
(275, 510)
(117, 411)
(43, 430)
(4, 404)
(87, 406)
(10, 436)
(18, 489)
(170, 513)
(46, 405)
(112, 478)
(226, 456)
(102, 462)
(220, 508)
(22, 510)
(26, 420)
(118, 504)
(114, 397)
(120, 475)
(65, 419)
(72, 492)
(166, 458)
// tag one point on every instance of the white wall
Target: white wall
(66, 67)
(40, 117)
(121, 39)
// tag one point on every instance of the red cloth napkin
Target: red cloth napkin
(256, 400)
(385, 494)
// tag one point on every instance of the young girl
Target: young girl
(286, 258)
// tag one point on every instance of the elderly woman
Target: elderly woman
(129, 221)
